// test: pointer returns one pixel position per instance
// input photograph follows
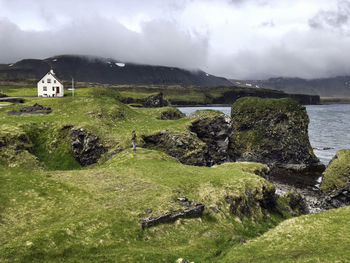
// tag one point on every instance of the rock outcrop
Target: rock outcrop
(184, 146)
(337, 174)
(247, 205)
(273, 132)
(153, 101)
(336, 181)
(86, 147)
(171, 114)
(35, 109)
(215, 129)
(193, 210)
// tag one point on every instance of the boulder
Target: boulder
(337, 198)
(184, 146)
(85, 146)
(337, 174)
(273, 132)
(171, 114)
(153, 101)
(215, 129)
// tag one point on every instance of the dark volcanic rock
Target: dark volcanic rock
(337, 198)
(184, 146)
(153, 101)
(253, 200)
(86, 147)
(195, 210)
(35, 109)
(273, 132)
(171, 114)
(215, 131)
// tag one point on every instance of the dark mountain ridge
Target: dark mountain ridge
(107, 71)
(326, 87)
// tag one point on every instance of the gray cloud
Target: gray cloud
(159, 42)
(335, 19)
(249, 39)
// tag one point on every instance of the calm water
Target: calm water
(329, 129)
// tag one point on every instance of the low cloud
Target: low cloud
(335, 19)
(159, 42)
(243, 39)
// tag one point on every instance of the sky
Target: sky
(240, 39)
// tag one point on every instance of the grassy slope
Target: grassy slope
(323, 237)
(53, 214)
(338, 171)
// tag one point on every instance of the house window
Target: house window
(48, 80)
(54, 81)
(53, 88)
(42, 81)
(44, 88)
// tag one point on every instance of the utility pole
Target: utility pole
(72, 87)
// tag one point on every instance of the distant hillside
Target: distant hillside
(326, 87)
(108, 71)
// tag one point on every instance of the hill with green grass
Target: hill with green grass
(53, 209)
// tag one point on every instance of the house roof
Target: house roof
(53, 75)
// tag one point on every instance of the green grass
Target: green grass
(322, 237)
(338, 171)
(53, 210)
(92, 214)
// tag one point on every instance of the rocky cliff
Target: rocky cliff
(273, 132)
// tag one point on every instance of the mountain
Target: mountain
(108, 71)
(325, 87)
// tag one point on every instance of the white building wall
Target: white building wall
(49, 86)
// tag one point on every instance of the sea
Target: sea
(329, 128)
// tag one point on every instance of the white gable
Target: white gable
(50, 86)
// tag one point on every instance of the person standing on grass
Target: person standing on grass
(133, 140)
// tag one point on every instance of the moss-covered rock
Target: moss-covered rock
(273, 132)
(214, 128)
(171, 114)
(184, 146)
(337, 174)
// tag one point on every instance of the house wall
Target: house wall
(51, 83)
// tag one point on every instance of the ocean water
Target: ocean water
(329, 128)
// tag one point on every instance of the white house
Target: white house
(50, 86)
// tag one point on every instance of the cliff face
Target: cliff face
(273, 132)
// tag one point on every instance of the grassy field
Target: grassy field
(54, 210)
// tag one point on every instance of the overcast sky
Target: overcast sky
(243, 39)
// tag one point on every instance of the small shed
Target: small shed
(50, 86)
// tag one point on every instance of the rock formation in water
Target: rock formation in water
(273, 132)
(336, 181)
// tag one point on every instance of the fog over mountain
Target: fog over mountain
(241, 39)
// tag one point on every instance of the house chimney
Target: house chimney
(51, 71)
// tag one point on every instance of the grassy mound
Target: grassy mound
(338, 171)
(322, 237)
